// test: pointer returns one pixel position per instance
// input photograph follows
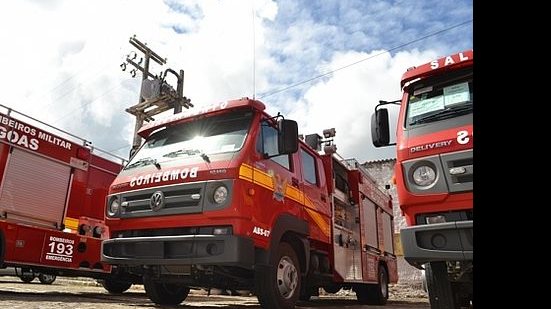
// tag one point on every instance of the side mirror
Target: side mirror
(380, 133)
(288, 136)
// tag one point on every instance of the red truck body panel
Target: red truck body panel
(52, 197)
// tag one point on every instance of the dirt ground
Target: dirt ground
(86, 294)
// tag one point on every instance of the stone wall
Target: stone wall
(382, 172)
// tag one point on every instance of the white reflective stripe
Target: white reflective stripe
(35, 187)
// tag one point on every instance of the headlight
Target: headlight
(114, 207)
(435, 219)
(424, 175)
(220, 195)
(222, 231)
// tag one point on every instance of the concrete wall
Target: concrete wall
(382, 171)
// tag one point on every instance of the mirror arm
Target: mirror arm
(274, 118)
(382, 102)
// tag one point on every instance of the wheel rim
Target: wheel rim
(287, 277)
(384, 284)
(48, 278)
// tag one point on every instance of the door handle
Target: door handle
(294, 182)
(323, 198)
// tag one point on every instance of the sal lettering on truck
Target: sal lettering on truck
(60, 249)
(435, 64)
(175, 174)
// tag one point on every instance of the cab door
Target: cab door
(276, 182)
(313, 185)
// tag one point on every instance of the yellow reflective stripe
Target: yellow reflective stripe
(256, 176)
(294, 194)
(308, 203)
(71, 223)
(318, 219)
(263, 179)
(246, 172)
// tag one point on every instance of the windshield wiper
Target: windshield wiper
(144, 162)
(189, 152)
(205, 157)
(445, 113)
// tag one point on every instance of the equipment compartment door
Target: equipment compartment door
(34, 189)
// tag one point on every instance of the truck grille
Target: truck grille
(458, 169)
(178, 199)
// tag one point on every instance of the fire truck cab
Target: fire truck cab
(434, 173)
(228, 197)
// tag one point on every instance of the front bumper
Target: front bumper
(450, 241)
(221, 250)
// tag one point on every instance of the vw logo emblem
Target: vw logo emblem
(157, 201)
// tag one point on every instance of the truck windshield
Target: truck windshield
(438, 101)
(202, 137)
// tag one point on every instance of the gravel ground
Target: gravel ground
(86, 294)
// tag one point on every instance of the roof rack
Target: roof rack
(17, 115)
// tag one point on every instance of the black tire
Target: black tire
(438, 286)
(307, 293)
(27, 278)
(46, 278)
(280, 285)
(374, 294)
(165, 293)
(332, 289)
(115, 286)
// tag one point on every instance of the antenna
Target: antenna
(254, 53)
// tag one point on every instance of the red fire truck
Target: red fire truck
(52, 197)
(228, 197)
(434, 173)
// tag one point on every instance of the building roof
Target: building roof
(379, 161)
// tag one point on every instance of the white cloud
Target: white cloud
(347, 99)
(61, 58)
(60, 61)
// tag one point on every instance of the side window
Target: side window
(266, 143)
(308, 167)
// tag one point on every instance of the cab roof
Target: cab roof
(436, 67)
(150, 127)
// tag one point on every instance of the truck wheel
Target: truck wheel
(374, 294)
(115, 286)
(26, 278)
(46, 279)
(438, 285)
(306, 293)
(279, 288)
(332, 289)
(165, 293)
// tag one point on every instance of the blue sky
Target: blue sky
(68, 52)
